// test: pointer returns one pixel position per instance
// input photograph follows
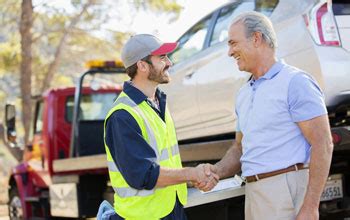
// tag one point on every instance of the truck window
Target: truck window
(92, 107)
(38, 126)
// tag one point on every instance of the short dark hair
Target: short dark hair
(132, 70)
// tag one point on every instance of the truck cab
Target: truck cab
(58, 118)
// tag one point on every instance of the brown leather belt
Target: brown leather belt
(295, 167)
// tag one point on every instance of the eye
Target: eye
(232, 43)
(164, 57)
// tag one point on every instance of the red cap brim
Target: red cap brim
(165, 49)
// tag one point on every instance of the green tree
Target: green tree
(52, 43)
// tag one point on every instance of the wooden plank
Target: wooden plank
(80, 163)
(214, 150)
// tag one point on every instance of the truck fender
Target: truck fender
(19, 179)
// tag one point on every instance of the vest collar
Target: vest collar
(137, 95)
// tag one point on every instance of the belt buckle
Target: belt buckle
(296, 167)
(244, 180)
(256, 177)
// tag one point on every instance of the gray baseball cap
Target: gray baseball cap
(141, 45)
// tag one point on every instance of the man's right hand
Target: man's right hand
(206, 177)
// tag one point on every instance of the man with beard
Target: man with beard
(142, 152)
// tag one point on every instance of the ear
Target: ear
(141, 66)
(257, 39)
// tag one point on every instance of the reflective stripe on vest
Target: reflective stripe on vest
(124, 192)
(152, 139)
(165, 154)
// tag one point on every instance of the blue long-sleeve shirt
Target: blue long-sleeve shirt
(133, 156)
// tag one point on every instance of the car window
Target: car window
(229, 12)
(192, 41)
(220, 32)
(265, 6)
(341, 7)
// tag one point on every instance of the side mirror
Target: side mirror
(10, 120)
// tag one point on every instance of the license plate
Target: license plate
(332, 190)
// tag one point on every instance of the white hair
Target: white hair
(257, 22)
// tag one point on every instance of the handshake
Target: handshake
(204, 177)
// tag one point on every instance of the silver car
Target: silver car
(312, 35)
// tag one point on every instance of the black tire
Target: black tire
(15, 205)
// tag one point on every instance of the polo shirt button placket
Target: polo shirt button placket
(253, 95)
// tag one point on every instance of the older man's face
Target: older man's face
(241, 48)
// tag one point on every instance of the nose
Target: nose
(230, 51)
(168, 61)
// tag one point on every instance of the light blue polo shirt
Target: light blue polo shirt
(268, 109)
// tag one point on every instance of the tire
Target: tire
(15, 205)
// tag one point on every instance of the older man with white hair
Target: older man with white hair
(283, 142)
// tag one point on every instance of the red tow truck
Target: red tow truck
(63, 172)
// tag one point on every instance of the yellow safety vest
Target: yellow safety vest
(133, 204)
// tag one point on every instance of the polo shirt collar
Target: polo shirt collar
(272, 72)
(276, 68)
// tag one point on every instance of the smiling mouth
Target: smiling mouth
(166, 72)
(237, 57)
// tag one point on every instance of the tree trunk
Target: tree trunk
(25, 27)
(54, 64)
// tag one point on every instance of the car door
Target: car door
(182, 90)
(219, 79)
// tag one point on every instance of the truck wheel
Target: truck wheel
(15, 205)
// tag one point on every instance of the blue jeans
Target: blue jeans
(106, 212)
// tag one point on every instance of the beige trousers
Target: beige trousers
(279, 197)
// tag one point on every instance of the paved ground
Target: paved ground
(6, 162)
(3, 212)
(3, 197)
(3, 200)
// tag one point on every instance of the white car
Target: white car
(313, 35)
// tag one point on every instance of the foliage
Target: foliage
(63, 39)
(160, 6)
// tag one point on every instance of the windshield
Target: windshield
(92, 106)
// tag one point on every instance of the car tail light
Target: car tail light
(336, 138)
(322, 26)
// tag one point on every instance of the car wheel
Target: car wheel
(15, 205)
